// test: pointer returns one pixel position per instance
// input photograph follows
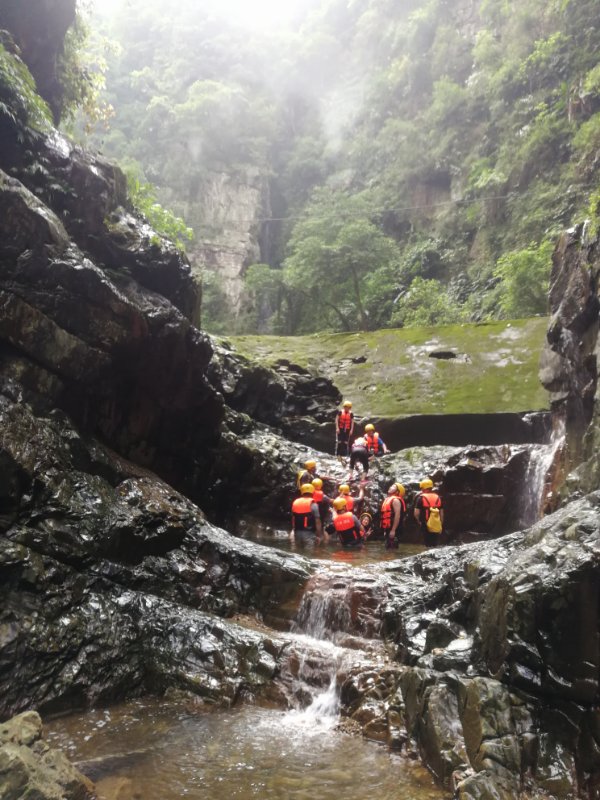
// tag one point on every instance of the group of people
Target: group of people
(315, 515)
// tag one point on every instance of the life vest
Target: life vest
(349, 501)
(372, 440)
(318, 495)
(387, 512)
(303, 516)
(432, 504)
(344, 525)
(344, 421)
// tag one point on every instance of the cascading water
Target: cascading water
(163, 749)
(542, 459)
(327, 621)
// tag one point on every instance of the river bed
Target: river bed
(154, 749)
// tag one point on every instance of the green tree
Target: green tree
(524, 276)
(426, 302)
(333, 251)
(164, 222)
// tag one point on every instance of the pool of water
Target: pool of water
(157, 750)
(274, 536)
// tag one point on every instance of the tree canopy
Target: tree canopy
(409, 148)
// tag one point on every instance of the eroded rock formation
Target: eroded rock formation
(116, 417)
(569, 368)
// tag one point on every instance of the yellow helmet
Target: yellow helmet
(426, 483)
(307, 488)
(310, 464)
(401, 490)
(369, 428)
(339, 504)
(347, 403)
(317, 483)
(344, 489)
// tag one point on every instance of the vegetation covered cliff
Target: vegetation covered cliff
(417, 159)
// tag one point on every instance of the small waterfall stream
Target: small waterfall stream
(542, 459)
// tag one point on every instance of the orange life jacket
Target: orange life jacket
(344, 523)
(372, 442)
(303, 516)
(387, 512)
(430, 500)
(318, 495)
(349, 501)
(344, 420)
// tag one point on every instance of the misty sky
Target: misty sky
(253, 13)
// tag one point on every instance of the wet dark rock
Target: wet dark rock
(288, 398)
(39, 29)
(458, 430)
(568, 367)
(501, 675)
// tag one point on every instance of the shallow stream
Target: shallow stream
(158, 750)
(163, 749)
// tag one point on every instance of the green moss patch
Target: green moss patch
(390, 373)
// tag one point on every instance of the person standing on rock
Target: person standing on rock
(344, 428)
(393, 513)
(429, 513)
(347, 525)
(306, 521)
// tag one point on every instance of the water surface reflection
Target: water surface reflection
(273, 535)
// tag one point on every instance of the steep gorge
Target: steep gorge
(115, 431)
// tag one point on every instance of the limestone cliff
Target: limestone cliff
(227, 210)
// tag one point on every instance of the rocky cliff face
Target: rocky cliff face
(116, 413)
(227, 212)
(569, 368)
(39, 28)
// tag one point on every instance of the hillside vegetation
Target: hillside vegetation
(421, 156)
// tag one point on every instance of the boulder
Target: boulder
(29, 768)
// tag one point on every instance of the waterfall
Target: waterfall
(321, 714)
(539, 474)
(328, 642)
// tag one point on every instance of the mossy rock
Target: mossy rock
(455, 369)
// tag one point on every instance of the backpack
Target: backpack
(434, 521)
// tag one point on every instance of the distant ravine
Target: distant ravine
(119, 441)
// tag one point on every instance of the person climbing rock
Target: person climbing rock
(347, 525)
(306, 522)
(359, 455)
(353, 504)
(375, 444)
(393, 513)
(429, 513)
(308, 474)
(324, 502)
(344, 428)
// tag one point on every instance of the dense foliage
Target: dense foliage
(420, 156)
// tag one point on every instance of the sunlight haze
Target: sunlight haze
(258, 14)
